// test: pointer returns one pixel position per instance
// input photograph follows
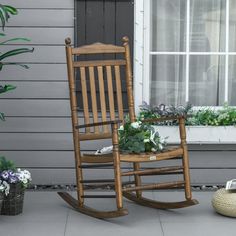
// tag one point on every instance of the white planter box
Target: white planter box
(200, 134)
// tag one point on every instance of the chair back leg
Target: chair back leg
(185, 159)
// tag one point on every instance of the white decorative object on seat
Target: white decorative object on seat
(224, 202)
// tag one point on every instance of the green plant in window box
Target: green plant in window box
(224, 116)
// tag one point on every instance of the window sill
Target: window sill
(200, 134)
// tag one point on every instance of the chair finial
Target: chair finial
(125, 40)
(68, 41)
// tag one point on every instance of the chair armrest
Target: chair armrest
(165, 118)
(110, 122)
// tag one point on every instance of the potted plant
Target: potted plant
(138, 137)
(14, 182)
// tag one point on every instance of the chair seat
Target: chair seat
(168, 153)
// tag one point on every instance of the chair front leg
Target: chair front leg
(117, 171)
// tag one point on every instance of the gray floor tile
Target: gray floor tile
(46, 214)
(140, 221)
(199, 229)
(198, 213)
(31, 229)
(41, 207)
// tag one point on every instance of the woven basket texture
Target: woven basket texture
(13, 203)
(224, 202)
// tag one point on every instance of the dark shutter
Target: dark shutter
(105, 21)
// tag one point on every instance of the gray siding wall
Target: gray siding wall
(37, 132)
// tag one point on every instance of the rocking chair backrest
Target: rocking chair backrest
(94, 76)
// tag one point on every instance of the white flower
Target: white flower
(27, 174)
(160, 146)
(153, 150)
(25, 181)
(4, 187)
(136, 125)
(152, 136)
(146, 140)
(121, 127)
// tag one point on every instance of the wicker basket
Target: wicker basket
(224, 202)
(1, 200)
(13, 203)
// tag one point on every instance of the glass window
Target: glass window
(192, 52)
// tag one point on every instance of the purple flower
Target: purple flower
(5, 174)
(13, 179)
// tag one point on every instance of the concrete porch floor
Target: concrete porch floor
(46, 214)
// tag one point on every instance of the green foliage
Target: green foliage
(148, 112)
(139, 137)
(222, 117)
(2, 116)
(6, 164)
(206, 116)
(5, 13)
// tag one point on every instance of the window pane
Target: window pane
(206, 80)
(168, 80)
(168, 25)
(232, 25)
(207, 25)
(232, 81)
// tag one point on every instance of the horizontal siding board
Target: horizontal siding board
(43, 18)
(45, 141)
(35, 124)
(36, 108)
(54, 36)
(44, 159)
(41, 159)
(212, 176)
(66, 159)
(40, 72)
(41, 54)
(40, 4)
(58, 90)
(67, 176)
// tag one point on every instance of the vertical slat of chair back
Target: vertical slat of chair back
(110, 92)
(85, 97)
(98, 79)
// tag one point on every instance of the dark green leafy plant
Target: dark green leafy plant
(222, 117)
(6, 164)
(5, 13)
(138, 137)
(206, 116)
(147, 111)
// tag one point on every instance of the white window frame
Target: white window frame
(142, 51)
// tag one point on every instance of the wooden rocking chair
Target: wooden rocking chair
(99, 73)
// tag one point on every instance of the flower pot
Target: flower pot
(13, 203)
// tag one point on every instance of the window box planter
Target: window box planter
(200, 134)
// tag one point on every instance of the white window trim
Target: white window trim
(142, 52)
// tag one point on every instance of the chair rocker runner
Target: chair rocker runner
(96, 78)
